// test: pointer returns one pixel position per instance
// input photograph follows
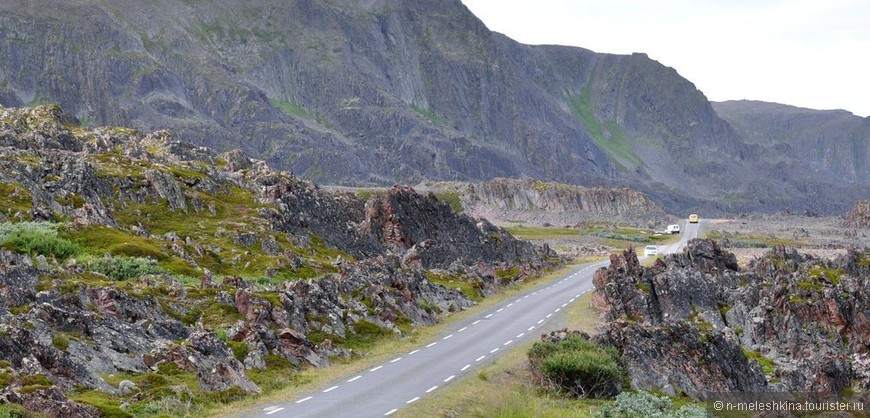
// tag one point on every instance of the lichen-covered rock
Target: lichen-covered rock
(805, 318)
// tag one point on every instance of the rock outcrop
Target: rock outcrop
(685, 320)
(858, 216)
(180, 265)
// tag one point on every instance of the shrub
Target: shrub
(578, 367)
(37, 238)
(647, 405)
(123, 268)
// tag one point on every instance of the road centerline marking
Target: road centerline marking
(464, 368)
(449, 378)
(432, 388)
(413, 400)
(278, 409)
(330, 389)
(353, 378)
(304, 399)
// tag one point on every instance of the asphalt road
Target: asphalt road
(405, 379)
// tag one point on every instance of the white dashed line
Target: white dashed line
(413, 352)
(430, 345)
(392, 411)
(376, 369)
(464, 368)
(549, 315)
(395, 360)
(448, 337)
(304, 399)
(413, 400)
(557, 309)
(475, 322)
(509, 305)
(279, 409)
(432, 388)
(564, 305)
(520, 335)
(480, 358)
(353, 378)
(330, 389)
(463, 329)
(578, 295)
(531, 328)
(539, 322)
(449, 378)
(572, 300)
(508, 342)
(488, 316)
(493, 350)
(500, 309)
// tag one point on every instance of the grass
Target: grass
(541, 233)
(309, 379)
(608, 136)
(429, 114)
(740, 240)
(508, 390)
(291, 109)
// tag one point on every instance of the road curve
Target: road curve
(405, 379)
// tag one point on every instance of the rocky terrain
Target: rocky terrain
(535, 202)
(143, 275)
(858, 216)
(385, 91)
(695, 323)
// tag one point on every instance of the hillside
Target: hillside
(386, 91)
(833, 142)
(144, 275)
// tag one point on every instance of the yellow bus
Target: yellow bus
(693, 218)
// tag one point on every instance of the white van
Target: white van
(673, 229)
(650, 251)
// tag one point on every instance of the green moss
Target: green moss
(21, 309)
(13, 410)
(240, 349)
(644, 287)
(807, 285)
(831, 274)
(34, 382)
(15, 198)
(60, 342)
(767, 365)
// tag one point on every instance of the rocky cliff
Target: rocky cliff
(695, 323)
(139, 272)
(540, 202)
(858, 216)
(385, 91)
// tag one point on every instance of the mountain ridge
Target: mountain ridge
(386, 91)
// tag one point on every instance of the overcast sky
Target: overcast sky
(807, 53)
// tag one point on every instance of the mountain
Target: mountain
(381, 91)
(833, 142)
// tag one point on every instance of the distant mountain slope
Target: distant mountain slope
(381, 91)
(835, 142)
